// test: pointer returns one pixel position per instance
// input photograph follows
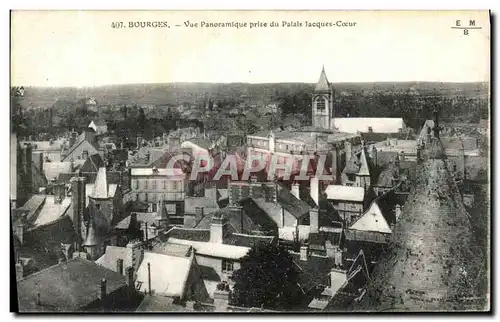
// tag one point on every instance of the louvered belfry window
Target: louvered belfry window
(320, 103)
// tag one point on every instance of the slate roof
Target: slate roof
(66, 287)
(141, 217)
(292, 204)
(247, 240)
(322, 85)
(202, 235)
(314, 272)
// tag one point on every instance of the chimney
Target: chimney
(134, 253)
(402, 156)
(304, 252)
(19, 271)
(218, 228)
(295, 190)
(313, 220)
(222, 296)
(339, 261)
(314, 190)
(78, 201)
(330, 249)
(28, 156)
(102, 294)
(149, 278)
(119, 266)
(139, 141)
(398, 212)
(374, 154)
(130, 277)
(348, 150)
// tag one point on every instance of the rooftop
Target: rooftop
(372, 220)
(66, 287)
(345, 193)
(368, 124)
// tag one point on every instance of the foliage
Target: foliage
(268, 277)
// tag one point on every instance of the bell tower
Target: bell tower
(322, 103)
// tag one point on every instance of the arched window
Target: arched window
(320, 103)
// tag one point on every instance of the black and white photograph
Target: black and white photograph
(250, 161)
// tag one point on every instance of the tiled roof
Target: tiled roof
(173, 249)
(66, 287)
(141, 216)
(92, 164)
(32, 206)
(110, 257)
(202, 235)
(247, 240)
(53, 169)
(292, 204)
(51, 211)
(260, 220)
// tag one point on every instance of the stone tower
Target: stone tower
(430, 265)
(322, 103)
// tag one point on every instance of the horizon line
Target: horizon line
(248, 83)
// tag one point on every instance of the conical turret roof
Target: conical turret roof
(322, 85)
(428, 267)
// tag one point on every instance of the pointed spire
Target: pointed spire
(101, 184)
(91, 239)
(322, 85)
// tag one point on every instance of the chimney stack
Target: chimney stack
(103, 289)
(314, 220)
(149, 279)
(119, 266)
(134, 253)
(78, 201)
(339, 261)
(222, 296)
(295, 190)
(398, 212)
(314, 190)
(304, 252)
(130, 277)
(218, 228)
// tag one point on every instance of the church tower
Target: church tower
(322, 103)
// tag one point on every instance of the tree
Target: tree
(268, 277)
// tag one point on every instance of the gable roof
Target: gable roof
(292, 204)
(362, 124)
(67, 287)
(372, 220)
(82, 138)
(169, 274)
(347, 193)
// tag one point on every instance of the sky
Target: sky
(80, 48)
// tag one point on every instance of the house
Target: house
(85, 145)
(76, 285)
(372, 226)
(160, 273)
(98, 126)
(348, 201)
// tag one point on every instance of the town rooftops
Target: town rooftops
(314, 271)
(66, 287)
(368, 124)
(345, 193)
(192, 234)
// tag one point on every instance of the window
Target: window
(350, 177)
(146, 184)
(146, 197)
(170, 207)
(136, 184)
(154, 184)
(320, 103)
(154, 208)
(164, 184)
(174, 185)
(227, 266)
